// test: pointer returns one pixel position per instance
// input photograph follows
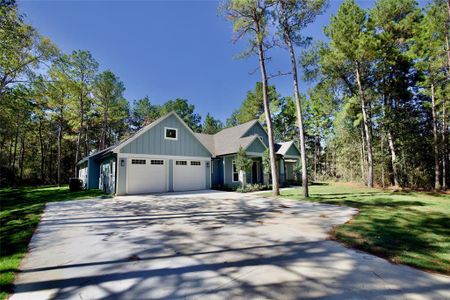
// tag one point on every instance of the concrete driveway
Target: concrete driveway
(207, 245)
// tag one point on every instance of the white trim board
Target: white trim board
(170, 138)
(176, 157)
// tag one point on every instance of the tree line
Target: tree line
(57, 108)
(378, 109)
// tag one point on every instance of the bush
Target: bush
(225, 187)
(254, 188)
(75, 184)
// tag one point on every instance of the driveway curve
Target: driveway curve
(212, 245)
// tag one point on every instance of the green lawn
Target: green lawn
(411, 228)
(20, 211)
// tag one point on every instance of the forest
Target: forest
(377, 112)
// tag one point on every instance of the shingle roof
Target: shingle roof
(228, 140)
(110, 148)
(282, 148)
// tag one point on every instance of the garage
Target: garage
(189, 175)
(146, 176)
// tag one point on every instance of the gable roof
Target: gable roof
(229, 140)
(95, 154)
(117, 147)
(283, 148)
(153, 124)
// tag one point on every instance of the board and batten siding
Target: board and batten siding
(292, 151)
(257, 129)
(121, 176)
(228, 170)
(153, 142)
(256, 147)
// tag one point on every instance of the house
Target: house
(167, 156)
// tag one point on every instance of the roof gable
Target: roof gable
(151, 139)
(256, 145)
(287, 149)
(257, 129)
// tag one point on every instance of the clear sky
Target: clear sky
(165, 49)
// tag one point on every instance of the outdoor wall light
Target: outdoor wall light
(122, 162)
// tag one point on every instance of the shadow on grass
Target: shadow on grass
(405, 227)
(20, 211)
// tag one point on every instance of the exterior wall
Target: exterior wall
(217, 171)
(153, 142)
(208, 174)
(107, 176)
(258, 130)
(256, 147)
(292, 151)
(290, 171)
(93, 173)
(170, 175)
(121, 178)
(83, 174)
(228, 165)
(228, 170)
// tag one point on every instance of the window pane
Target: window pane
(171, 133)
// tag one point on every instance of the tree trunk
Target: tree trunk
(382, 162)
(58, 172)
(437, 173)
(104, 128)
(298, 107)
(273, 166)
(13, 164)
(316, 157)
(86, 141)
(444, 146)
(77, 151)
(363, 154)
(367, 127)
(22, 157)
(444, 113)
(41, 147)
(393, 157)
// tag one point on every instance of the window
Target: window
(235, 177)
(195, 163)
(170, 133)
(138, 162)
(156, 162)
(181, 163)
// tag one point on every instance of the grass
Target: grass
(410, 228)
(20, 212)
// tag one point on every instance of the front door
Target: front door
(255, 172)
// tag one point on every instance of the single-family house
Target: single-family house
(167, 156)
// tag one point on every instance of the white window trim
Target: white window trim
(169, 138)
(233, 162)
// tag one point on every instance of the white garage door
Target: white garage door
(189, 175)
(146, 176)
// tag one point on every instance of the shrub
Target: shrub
(253, 188)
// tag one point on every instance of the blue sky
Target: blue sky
(165, 49)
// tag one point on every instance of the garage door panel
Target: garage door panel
(189, 175)
(147, 176)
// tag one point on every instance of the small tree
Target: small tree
(266, 164)
(243, 164)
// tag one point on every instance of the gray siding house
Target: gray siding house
(167, 156)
